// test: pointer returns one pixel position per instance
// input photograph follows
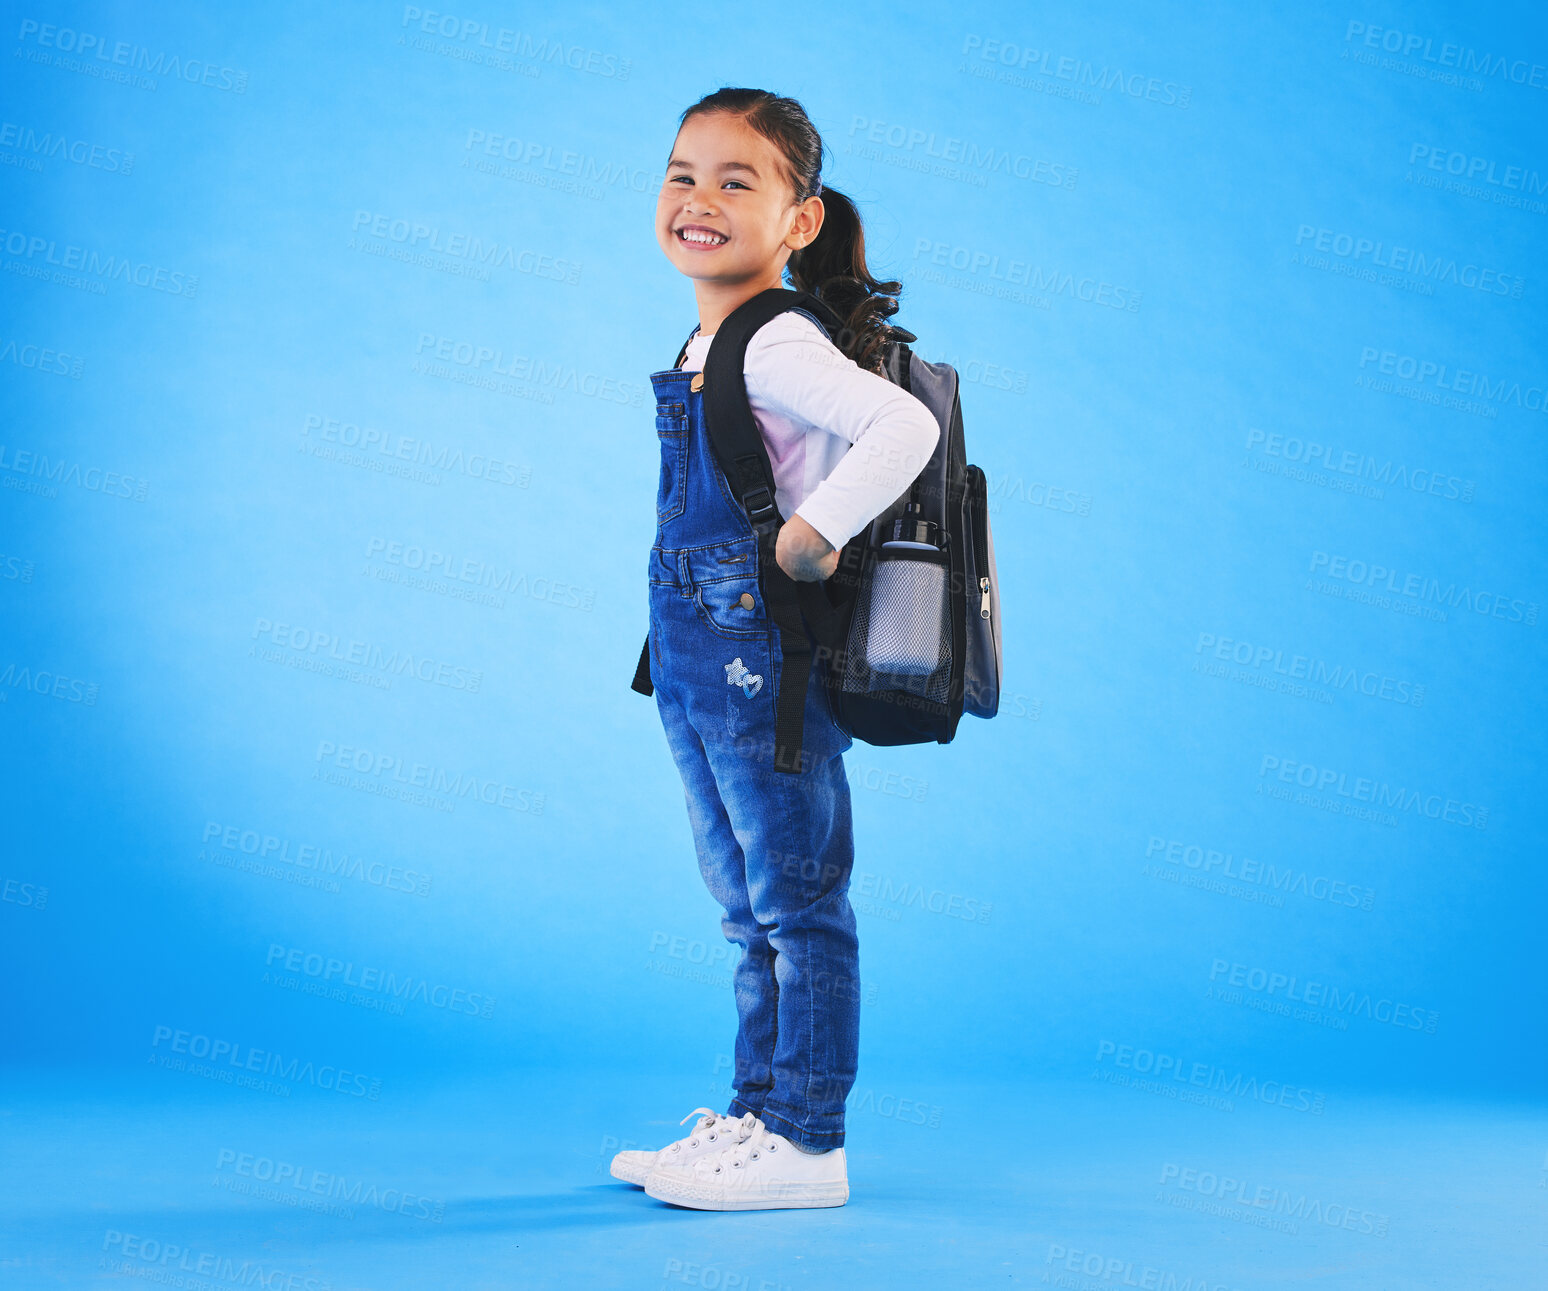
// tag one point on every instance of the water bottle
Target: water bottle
(905, 626)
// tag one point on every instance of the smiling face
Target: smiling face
(727, 216)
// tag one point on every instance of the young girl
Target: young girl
(742, 204)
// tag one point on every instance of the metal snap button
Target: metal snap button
(747, 601)
(698, 381)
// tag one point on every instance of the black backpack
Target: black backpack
(908, 626)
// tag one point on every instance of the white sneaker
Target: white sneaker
(714, 1131)
(765, 1171)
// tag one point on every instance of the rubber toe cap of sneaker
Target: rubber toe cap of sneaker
(633, 1167)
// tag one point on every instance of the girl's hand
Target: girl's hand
(803, 553)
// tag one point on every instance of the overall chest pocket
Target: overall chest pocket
(672, 491)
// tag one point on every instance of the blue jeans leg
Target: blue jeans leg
(775, 850)
(797, 846)
(723, 867)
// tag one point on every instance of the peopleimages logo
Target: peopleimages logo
(82, 152)
(415, 238)
(173, 1264)
(1364, 789)
(1377, 254)
(421, 452)
(297, 1183)
(370, 656)
(16, 569)
(1238, 1197)
(548, 162)
(391, 772)
(1206, 1075)
(332, 971)
(41, 358)
(244, 1058)
(924, 146)
(521, 44)
(34, 254)
(1432, 372)
(1120, 1272)
(1319, 995)
(43, 475)
(1082, 75)
(1482, 170)
(549, 374)
(1280, 878)
(1419, 588)
(1446, 54)
(139, 58)
(45, 681)
(954, 905)
(267, 850)
(1317, 672)
(1337, 460)
(988, 266)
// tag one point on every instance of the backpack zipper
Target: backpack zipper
(979, 486)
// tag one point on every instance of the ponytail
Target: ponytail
(832, 267)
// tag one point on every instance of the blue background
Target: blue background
(304, 404)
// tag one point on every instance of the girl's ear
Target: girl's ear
(808, 222)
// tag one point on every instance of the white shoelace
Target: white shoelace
(757, 1140)
(710, 1126)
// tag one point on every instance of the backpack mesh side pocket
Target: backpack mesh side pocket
(900, 635)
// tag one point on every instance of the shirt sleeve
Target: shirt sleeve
(797, 371)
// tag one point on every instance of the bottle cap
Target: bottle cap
(914, 528)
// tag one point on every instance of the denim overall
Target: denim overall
(775, 849)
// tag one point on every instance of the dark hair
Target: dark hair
(832, 266)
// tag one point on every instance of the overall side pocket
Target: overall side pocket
(671, 493)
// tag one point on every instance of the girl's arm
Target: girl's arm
(796, 371)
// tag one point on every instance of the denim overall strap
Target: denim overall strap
(694, 507)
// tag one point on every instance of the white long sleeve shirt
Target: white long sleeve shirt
(844, 443)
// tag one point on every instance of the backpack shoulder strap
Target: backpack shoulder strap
(734, 435)
(744, 460)
(898, 362)
(728, 416)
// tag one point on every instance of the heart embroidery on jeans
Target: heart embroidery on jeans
(737, 675)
